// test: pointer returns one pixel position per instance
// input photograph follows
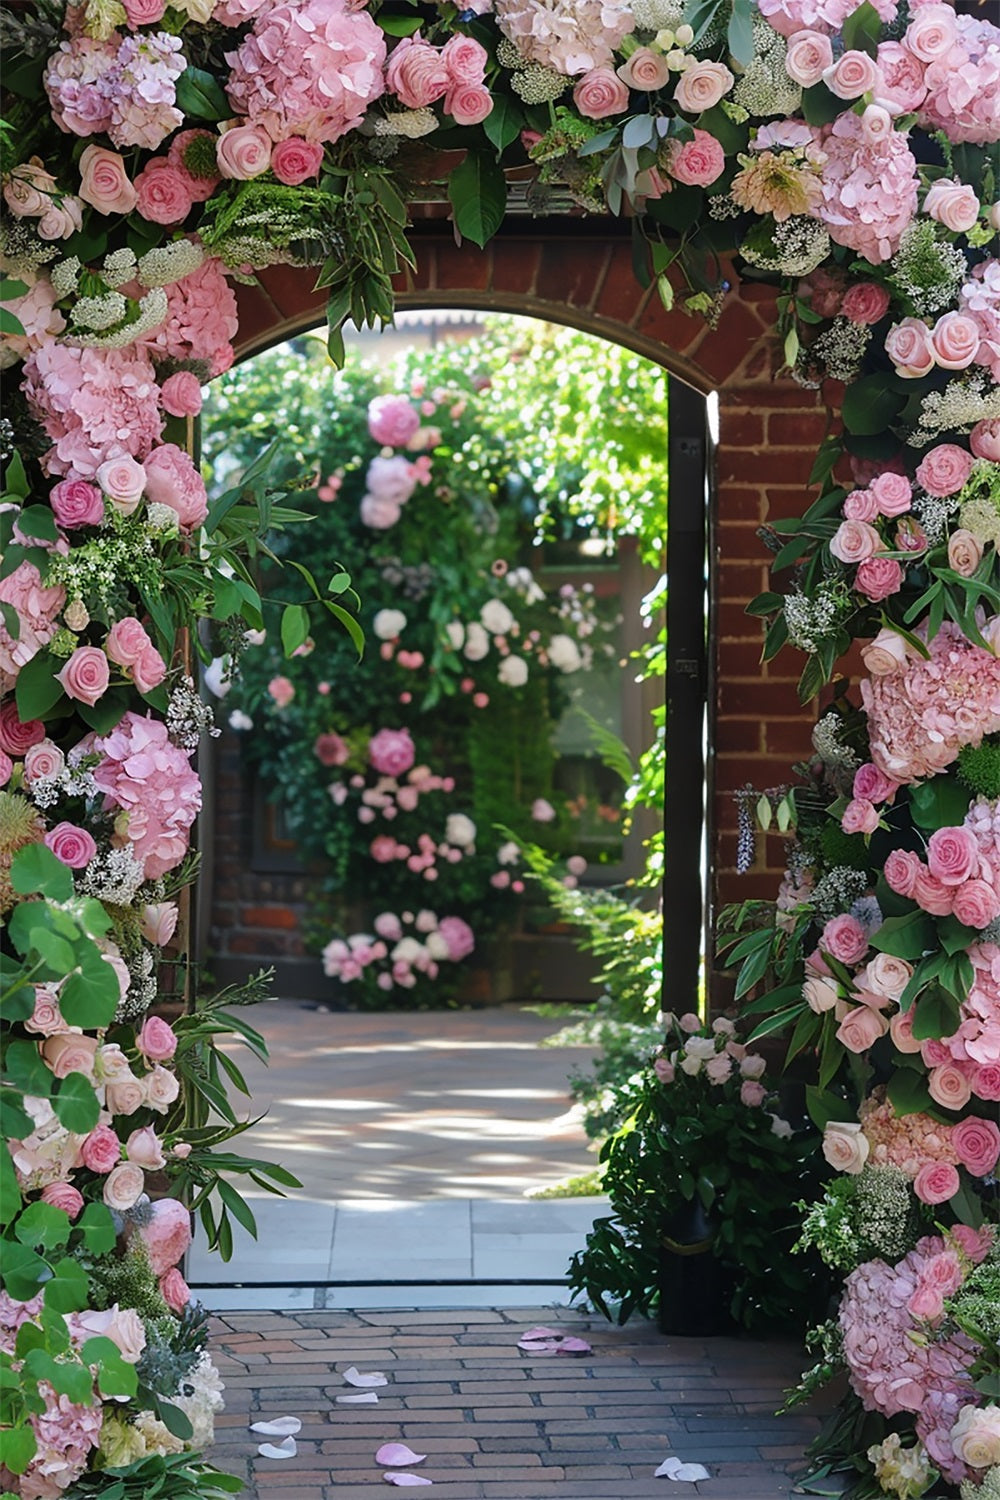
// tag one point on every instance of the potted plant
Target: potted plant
(703, 1176)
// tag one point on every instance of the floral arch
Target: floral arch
(847, 153)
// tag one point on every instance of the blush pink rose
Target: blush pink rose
(145, 1149)
(955, 339)
(873, 784)
(699, 162)
(953, 204)
(46, 1018)
(932, 33)
(281, 690)
(417, 73)
(865, 302)
(70, 844)
(123, 480)
(701, 87)
(126, 641)
(124, 1186)
(953, 855)
(853, 541)
(156, 1041)
(160, 1088)
(645, 70)
(392, 420)
(101, 1150)
(664, 1070)
(143, 12)
(975, 1243)
(926, 1304)
(76, 503)
(860, 505)
(163, 192)
(331, 750)
(976, 904)
(465, 59)
(86, 675)
(936, 1182)
(378, 513)
(977, 1145)
(810, 53)
(468, 103)
(174, 1290)
(63, 1195)
(149, 671)
(167, 1235)
(944, 470)
(893, 494)
(69, 1053)
(908, 345)
(845, 1146)
(295, 160)
(243, 152)
(752, 1093)
(933, 895)
(104, 182)
(600, 93)
(886, 654)
(180, 394)
(173, 480)
(901, 1031)
(948, 1086)
(984, 439)
(391, 751)
(861, 1028)
(853, 74)
(878, 578)
(859, 816)
(844, 939)
(124, 1097)
(965, 552)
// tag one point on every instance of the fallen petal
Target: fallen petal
(353, 1376)
(673, 1468)
(409, 1479)
(574, 1346)
(533, 1335)
(539, 1349)
(394, 1455)
(363, 1398)
(286, 1449)
(280, 1427)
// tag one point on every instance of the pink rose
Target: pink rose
(936, 1182)
(902, 89)
(468, 103)
(173, 480)
(910, 536)
(294, 160)
(124, 1097)
(878, 578)
(701, 86)
(600, 93)
(69, 1053)
(853, 541)
(975, 1243)
(101, 1150)
(43, 760)
(955, 339)
(699, 162)
(331, 750)
(932, 32)
(180, 394)
(752, 1093)
(167, 1235)
(845, 1146)
(46, 1018)
(976, 904)
(159, 922)
(127, 640)
(908, 345)
(860, 505)
(243, 152)
(945, 469)
(174, 1290)
(76, 503)
(861, 1028)
(70, 844)
(156, 1041)
(984, 439)
(143, 12)
(163, 192)
(853, 74)
(887, 975)
(465, 59)
(16, 734)
(392, 421)
(926, 1304)
(977, 1145)
(933, 895)
(810, 53)
(844, 939)
(953, 204)
(417, 73)
(873, 784)
(145, 1149)
(865, 302)
(123, 480)
(86, 675)
(104, 182)
(645, 70)
(6, 768)
(965, 552)
(149, 671)
(893, 493)
(901, 1032)
(63, 1195)
(886, 654)
(986, 1081)
(124, 1186)
(690, 1023)
(949, 1087)
(391, 751)
(953, 855)
(859, 816)
(282, 691)
(160, 1089)
(664, 1070)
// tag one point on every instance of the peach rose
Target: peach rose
(68, 1052)
(86, 675)
(975, 1437)
(809, 54)
(965, 552)
(845, 1146)
(645, 70)
(46, 1018)
(901, 1032)
(124, 1097)
(243, 152)
(861, 1028)
(180, 393)
(908, 345)
(161, 1089)
(702, 86)
(953, 204)
(887, 975)
(853, 541)
(949, 1087)
(600, 93)
(104, 182)
(885, 654)
(124, 1186)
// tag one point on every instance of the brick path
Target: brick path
(497, 1424)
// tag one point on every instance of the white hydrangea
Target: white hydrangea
(565, 654)
(388, 624)
(408, 950)
(412, 123)
(496, 617)
(455, 631)
(477, 642)
(460, 831)
(513, 671)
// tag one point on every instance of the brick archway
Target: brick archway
(581, 274)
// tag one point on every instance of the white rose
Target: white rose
(111, 1065)
(388, 624)
(690, 1065)
(723, 1026)
(239, 720)
(700, 1046)
(513, 671)
(887, 976)
(845, 1147)
(123, 1186)
(460, 831)
(496, 617)
(820, 994)
(564, 654)
(477, 642)
(161, 1089)
(455, 631)
(215, 676)
(975, 1437)
(437, 946)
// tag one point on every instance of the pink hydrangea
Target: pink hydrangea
(869, 188)
(963, 85)
(37, 314)
(141, 89)
(980, 299)
(459, 937)
(201, 320)
(36, 607)
(908, 1142)
(66, 1434)
(74, 81)
(391, 751)
(94, 404)
(309, 68)
(569, 36)
(826, 16)
(151, 780)
(920, 716)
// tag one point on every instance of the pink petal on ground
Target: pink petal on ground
(287, 1448)
(410, 1479)
(533, 1335)
(539, 1349)
(574, 1346)
(394, 1455)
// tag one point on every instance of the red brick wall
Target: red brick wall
(580, 273)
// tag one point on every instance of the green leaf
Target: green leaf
(39, 522)
(505, 121)
(870, 404)
(908, 1093)
(75, 1103)
(739, 36)
(906, 937)
(25, 1070)
(43, 1227)
(350, 624)
(98, 1228)
(23, 1270)
(69, 1289)
(15, 480)
(37, 689)
(862, 30)
(18, 1447)
(824, 1107)
(201, 97)
(174, 1420)
(937, 1014)
(35, 870)
(939, 803)
(11, 324)
(819, 106)
(477, 190)
(10, 1192)
(294, 627)
(399, 25)
(812, 679)
(777, 1022)
(238, 1207)
(103, 715)
(90, 996)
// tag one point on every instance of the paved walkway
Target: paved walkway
(498, 1424)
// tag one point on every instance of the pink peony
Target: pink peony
(378, 513)
(391, 751)
(984, 439)
(944, 469)
(76, 503)
(294, 161)
(174, 1290)
(392, 420)
(72, 845)
(600, 93)
(878, 578)
(166, 1235)
(698, 162)
(331, 750)
(163, 192)
(152, 782)
(281, 690)
(17, 735)
(458, 935)
(173, 480)
(85, 675)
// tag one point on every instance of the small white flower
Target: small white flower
(460, 831)
(388, 624)
(513, 671)
(455, 631)
(239, 720)
(509, 853)
(477, 642)
(780, 1127)
(496, 617)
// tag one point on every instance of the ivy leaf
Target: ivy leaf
(75, 1103)
(477, 190)
(35, 870)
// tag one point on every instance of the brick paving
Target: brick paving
(499, 1424)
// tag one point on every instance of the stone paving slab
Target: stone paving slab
(499, 1424)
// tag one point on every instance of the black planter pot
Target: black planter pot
(695, 1289)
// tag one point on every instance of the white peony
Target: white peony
(513, 671)
(564, 654)
(388, 624)
(477, 642)
(496, 617)
(460, 831)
